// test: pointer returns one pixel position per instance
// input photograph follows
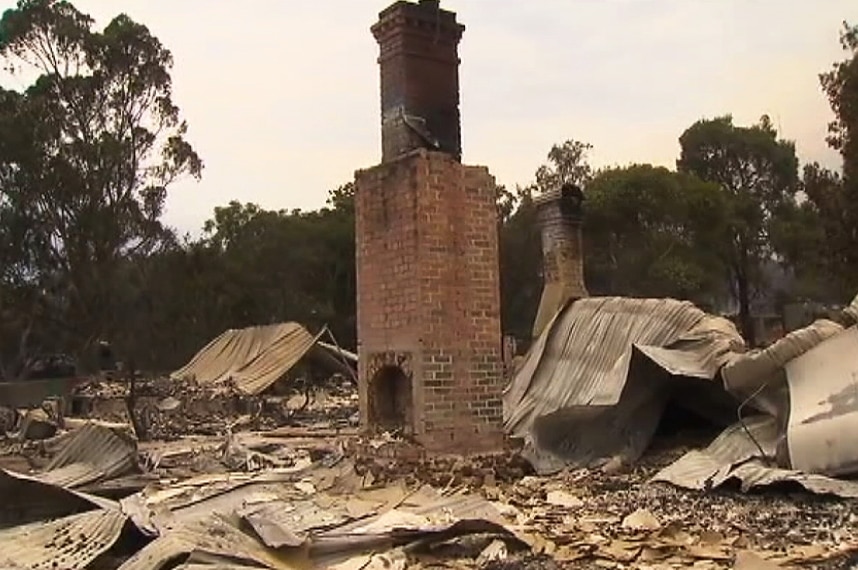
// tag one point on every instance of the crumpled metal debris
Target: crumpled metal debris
(72, 543)
(595, 384)
(254, 358)
(806, 382)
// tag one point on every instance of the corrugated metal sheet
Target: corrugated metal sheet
(583, 393)
(252, 358)
(823, 388)
(761, 373)
(26, 499)
(734, 456)
(70, 543)
(754, 474)
(288, 523)
(214, 535)
(424, 516)
(217, 535)
(92, 453)
(156, 511)
(711, 467)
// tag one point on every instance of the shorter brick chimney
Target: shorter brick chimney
(559, 214)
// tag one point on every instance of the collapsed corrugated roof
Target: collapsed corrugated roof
(806, 384)
(253, 358)
(736, 455)
(71, 543)
(92, 453)
(823, 407)
(587, 390)
(760, 375)
(27, 499)
(265, 520)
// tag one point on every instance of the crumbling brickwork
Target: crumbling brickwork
(419, 66)
(428, 286)
(559, 214)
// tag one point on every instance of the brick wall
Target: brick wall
(562, 256)
(428, 291)
(419, 68)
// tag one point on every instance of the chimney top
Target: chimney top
(419, 61)
(568, 199)
(425, 14)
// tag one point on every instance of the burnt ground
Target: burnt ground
(575, 519)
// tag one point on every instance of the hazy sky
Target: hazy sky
(282, 96)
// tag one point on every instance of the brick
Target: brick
(427, 252)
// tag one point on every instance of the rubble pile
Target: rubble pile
(268, 500)
(282, 477)
(170, 408)
(622, 520)
(453, 472)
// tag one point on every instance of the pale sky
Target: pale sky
(282, 96)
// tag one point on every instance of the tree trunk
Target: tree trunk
(746, 321)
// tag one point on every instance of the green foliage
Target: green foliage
(89, 151)
(567, 163)
(520, 241)
(287, 265)
(520, 263)
(840, 85)
(758, 174)
(833, 199)
(651, 232)
(798, 235)
(648, 232)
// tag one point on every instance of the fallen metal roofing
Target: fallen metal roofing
(760, 375)
(70, 543)
(735, 455)
(284, 525)
(252, 359)
(213, 535)
(807, 384)
(587, 390)
(711, 467)
(823, 390)
(26, 499)
(91, 454)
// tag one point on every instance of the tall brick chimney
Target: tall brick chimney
(419, 64)
(559, 214)
(428, 286)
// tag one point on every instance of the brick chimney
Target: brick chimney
(428, 284)
(559, 214)
(419, 64)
